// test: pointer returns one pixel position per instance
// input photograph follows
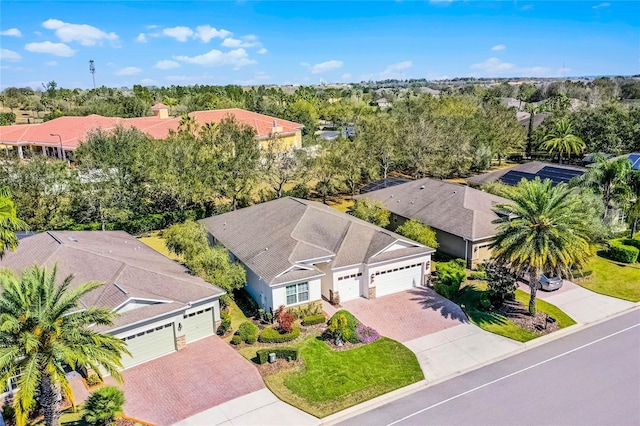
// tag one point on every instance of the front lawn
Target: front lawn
(330, 381)
(498, 323)
(615, 279)
(155, 241)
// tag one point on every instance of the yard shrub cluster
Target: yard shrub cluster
(501, 284)
(477, 275)
(310, 309)
(343, 325)
(225, 324)
(248, 332)
(366, 334)
(289, 354)
(236, 339)
(93, 380)
(103, 406)
(271, 335)
(624, 250)
(284, 320)
(313, 320)
(449, 277)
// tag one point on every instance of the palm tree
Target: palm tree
(43, 328)
(634, 208)
(560, 140)
(545, 230)
(9, 223)
(609, 178)
(532, 110)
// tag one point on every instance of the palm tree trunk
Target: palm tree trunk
(533, 286)
(50, 401)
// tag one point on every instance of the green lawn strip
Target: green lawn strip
(331, 381)
(498, 323)
(237, 318)
(614, 279)
(156, 242)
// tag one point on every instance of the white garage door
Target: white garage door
(198, 324)
(349, 288)
(149, 344)
(397, 279)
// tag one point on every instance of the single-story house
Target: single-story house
(297, 251)
(161, 307)
(462, 217)
(60, 137)
(558, 173)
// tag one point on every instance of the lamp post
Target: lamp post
(60, 151)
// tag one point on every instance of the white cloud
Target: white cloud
(128, 71)
(262, 51)
(323, 66)
(84, 34)
(601, 5)
(11, 32)
(148, 82)
(166, 64)
(396, 70)
(258, 78)
(142, 38)
(51, 63)
(214, 58)
(57, 49)
(494, 67)
(9, 55)
(206, 33)
(246, 41)
(499, 47)
(179, 33)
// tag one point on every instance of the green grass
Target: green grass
(156, 242)
(331, 381)
(499, 324)
(237, 318)
(614, 279)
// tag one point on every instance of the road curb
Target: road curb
(423, 384)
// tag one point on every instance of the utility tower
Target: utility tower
(92, 70)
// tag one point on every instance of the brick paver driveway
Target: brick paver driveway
(407, 315)
(203, 375)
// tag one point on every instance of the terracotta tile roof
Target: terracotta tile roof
(73, 130)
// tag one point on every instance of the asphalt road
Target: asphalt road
(591, 377)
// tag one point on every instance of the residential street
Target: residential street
(589, 378)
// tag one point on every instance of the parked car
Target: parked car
(549, 283)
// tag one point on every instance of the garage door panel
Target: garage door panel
(149, 344)
(394, 281)
(349, 289)
(198, 325)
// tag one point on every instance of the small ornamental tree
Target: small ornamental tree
(419, 232)
(284, 320)
(103, 406)
(372, 211)
(450, 276)
(501, 283)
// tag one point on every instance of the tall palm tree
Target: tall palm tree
(634, 208)
(9, 223)
(545, 230)
(43, 328)
(609, 178)
(561, 139)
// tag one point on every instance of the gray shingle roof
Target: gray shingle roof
(456, 209)
(270, 238)
(129, 269)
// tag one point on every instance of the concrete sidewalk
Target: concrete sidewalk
(257, 408)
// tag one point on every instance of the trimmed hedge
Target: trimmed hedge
(630, 242)
(236, 340)
(225, 324)
(620, 252)
(313, 320)
(283, 353)
(271, 335)
(248, 331)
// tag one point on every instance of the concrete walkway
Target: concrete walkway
(257, 408)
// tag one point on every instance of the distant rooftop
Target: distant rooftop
(558, 173)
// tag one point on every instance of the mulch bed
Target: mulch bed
(518, 314)
(268, 369)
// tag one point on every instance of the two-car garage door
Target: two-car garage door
(149, 344)
(393, 280)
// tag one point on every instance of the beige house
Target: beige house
(462, 217)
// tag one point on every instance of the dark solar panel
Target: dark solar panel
(635, 161)
(381, 184)
(514, 177)
(555, 174)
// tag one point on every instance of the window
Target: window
(297, 293)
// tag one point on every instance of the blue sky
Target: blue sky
(264, 42)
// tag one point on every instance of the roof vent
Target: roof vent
(120, 288)
(422, 187)
(72, 239)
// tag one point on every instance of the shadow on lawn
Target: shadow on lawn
(429, 299)
(469, 297)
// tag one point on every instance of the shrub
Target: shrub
(501, 283)
(225, 301)
(367, 334)
(252, 338)
(9, 413)
(103, 405)
(236, 340)
(93, 380)
(630, 242)
(225, 324)
(271, 335)
(281, 353)
(247, 330)
(484, 303)
(313, 320)
(477, 275)
(299, 312)
(480, 267)
(622, 253)
(450, 276)
(418, 232)
(344, 328)
(284, 319)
